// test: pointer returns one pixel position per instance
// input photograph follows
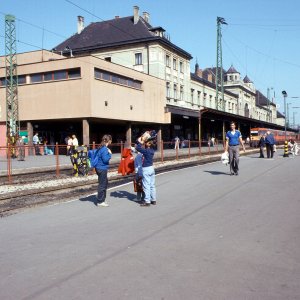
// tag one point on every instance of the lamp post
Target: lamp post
(288, 114)
(284, 93)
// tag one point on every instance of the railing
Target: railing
(54, 159)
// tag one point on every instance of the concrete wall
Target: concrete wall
(84, 97)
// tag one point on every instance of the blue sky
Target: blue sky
(262, 37)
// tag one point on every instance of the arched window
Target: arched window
(246, 110)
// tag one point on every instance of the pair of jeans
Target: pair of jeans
(102, 186)
(234, 154)
(149, 184)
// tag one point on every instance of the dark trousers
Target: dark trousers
(270, 150)
(102, 187)
(261, 152)
(37, 149)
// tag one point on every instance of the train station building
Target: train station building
(123, 76)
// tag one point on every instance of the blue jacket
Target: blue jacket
(104, 158)
(270, 139)
(148, 154)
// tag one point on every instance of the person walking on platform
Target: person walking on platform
(233, 139)
(104, 155)
(36, 142)
(261, 145)
(270, 142)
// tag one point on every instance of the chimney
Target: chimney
(146, 16)
(210, 77)
(135, 14)
(80, 24)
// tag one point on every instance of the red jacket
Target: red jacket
(127, 162)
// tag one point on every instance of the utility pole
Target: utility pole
(12, 107)
(220, 104)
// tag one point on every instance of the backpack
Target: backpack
(93, 157)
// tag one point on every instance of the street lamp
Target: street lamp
(284, 93)
(288, 114)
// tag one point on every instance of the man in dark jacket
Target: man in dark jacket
(270, 141)
(261, 145)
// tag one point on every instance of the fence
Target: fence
(54, 159)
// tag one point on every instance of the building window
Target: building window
(181, 67)
(175, 91)
(59, 75)
(198, 97)
(36, 77)
(181, 92)
(138, 59)
(74, 73)
(2, 81)
(21, 79)
(168, 89)
(204, 99)
(210, 100)
(118, 79)
(168, 60)
(192, 96)
(174, 64)
(48, 76)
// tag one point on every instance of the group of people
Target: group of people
(143, 167)
(267, 141)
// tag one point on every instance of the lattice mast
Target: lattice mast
(220, 104)
(12, 107)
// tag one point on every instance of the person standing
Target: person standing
(104, 155)
(233, 141)
(36, 142)
(261, 145)
(21, 148)
(148, 171)
(270, 141)
(177, 142)
(69, 145)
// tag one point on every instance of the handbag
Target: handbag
(138, 184)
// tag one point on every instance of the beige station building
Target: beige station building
(124, 76)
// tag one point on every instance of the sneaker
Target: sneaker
(104, 204)
(153, 202)
(145, 204)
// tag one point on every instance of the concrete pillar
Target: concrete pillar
(128, 135)
(224, 140)
(159, 136)
(30, 136)
(85, 132)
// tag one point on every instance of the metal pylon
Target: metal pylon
(220, 104)
(12, 107)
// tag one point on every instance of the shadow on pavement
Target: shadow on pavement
(217, 173)
(92, 198)
(124, 195)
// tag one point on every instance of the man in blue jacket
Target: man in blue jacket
(270, 141)
(233, 141)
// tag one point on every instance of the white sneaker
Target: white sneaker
(104, 204)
